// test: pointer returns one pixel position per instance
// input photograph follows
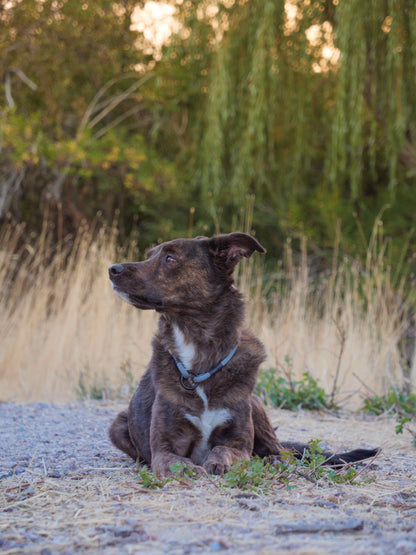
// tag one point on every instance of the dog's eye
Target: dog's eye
(169, 259)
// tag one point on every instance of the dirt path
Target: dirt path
(64, 489)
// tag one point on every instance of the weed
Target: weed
(181, 474)
(180, 471)
(291, 394)
(149, 480)
(402, 403)
(313, 466)
(258, 474)
(262, 475)
(347, 476)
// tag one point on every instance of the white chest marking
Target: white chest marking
(206, 423)
(184, 350)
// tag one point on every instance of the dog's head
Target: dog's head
(183, 274)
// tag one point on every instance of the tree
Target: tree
(74, 131)
(311, 107)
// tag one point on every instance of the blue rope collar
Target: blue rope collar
(193, 380)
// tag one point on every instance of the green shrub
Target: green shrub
(401, 403)
(291, 394)
(398, 401)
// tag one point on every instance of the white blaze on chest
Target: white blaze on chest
(184, 350)
(206, 423)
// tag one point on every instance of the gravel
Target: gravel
(65, 489)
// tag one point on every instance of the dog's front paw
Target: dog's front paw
(216, 467)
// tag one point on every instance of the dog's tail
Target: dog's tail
(303, 451)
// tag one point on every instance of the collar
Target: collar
(193, 380)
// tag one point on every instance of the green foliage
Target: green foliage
(180, 474)
(346, 477)
(291, 394)
(259, 137)
(149, 480)
(261, 475)
(258, 475)
(76, 137)
(69, 50)
(314, 466)
(402, 403)
(180, 470)
(239, 102)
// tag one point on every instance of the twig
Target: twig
(349, 526)
(307, 477)
(24, 485)
(366, 466)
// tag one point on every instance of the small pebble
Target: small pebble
(217, 546)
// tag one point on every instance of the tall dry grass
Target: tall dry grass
(63, 332)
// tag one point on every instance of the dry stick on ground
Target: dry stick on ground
(365, 467)
(349, 526)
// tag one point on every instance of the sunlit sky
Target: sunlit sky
(156, 21)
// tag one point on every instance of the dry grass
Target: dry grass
(63, 332)
(61, 326)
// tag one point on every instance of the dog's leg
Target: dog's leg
(266, 443)
(233, 442)
(119, 435)
(171, 439)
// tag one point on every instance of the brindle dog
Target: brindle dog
(195, 404)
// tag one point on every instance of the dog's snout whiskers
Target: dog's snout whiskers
(115, 269)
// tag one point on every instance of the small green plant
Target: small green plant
(313, 467)
(149, 480)
(402, 403)
(180, 471)
(284, 392)
(341, 476)
(258, 475)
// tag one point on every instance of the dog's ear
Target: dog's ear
(229, 249)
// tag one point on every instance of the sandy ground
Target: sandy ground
(64, 489)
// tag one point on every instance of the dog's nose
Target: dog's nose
(115, 269)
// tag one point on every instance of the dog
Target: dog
(195, 403)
